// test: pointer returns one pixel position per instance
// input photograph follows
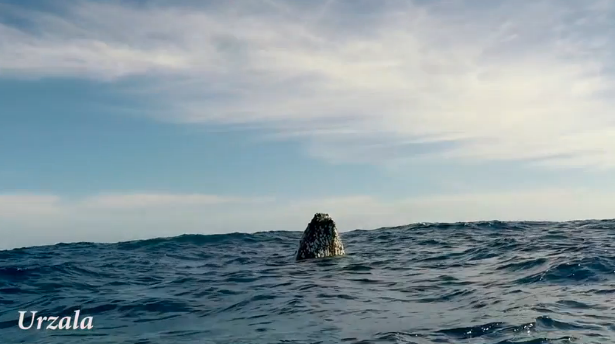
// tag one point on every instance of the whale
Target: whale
(320, 239)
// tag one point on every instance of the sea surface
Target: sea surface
(481, 282)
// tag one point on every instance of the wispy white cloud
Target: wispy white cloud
(154, 200)
(24, 206)
(529, 80)
(27, 220)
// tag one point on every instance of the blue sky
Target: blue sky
(138, 119)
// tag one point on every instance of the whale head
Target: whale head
(320, 239)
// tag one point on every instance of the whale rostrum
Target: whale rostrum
(320, 239)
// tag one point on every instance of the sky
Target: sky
(124, 120)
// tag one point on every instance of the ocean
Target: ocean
(480, 282)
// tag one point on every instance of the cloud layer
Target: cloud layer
(31, 219)
(457, 80)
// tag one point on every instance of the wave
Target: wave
(487, 282)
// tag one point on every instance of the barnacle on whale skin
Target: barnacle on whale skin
(320, 239)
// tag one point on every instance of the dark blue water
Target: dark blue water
(488, 282)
